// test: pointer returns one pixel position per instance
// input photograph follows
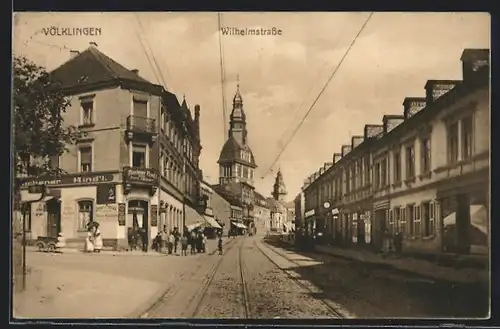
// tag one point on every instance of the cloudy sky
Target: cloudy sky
(280, 76)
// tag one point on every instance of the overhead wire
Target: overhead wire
(320, 93)
(312, 85)
(158, 78)
(222, 75)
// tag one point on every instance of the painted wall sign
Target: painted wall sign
(154, 215)
(121, 214)
(106, 194)
(140, 175)
(71, 179)
(105, 211)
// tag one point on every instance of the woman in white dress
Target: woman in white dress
(97, 239)
(89, 245)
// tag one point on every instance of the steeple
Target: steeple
(237, 122)
(279, 188)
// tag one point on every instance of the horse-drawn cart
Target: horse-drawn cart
(46, 243)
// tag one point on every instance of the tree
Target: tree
(39, 133)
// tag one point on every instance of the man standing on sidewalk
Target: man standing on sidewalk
(176, 239)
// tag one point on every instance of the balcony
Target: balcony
(140, 128)
(140, 177)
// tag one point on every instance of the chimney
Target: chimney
(412, 105)
(436, 88)
(474, 60)
(356, 140)
(93, 44)
(391, 121)
(321, 171)
(345, 150)
(328, 165)
(336, 157)
(136, 71)
(373, 131)
(73, 53)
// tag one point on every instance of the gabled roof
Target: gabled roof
(227, 195)
(92, 66)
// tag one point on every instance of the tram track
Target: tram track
(202, 298)
(333, 307)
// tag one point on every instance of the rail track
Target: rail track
(202, 296)
(336, 309)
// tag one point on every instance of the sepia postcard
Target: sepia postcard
(251, 165)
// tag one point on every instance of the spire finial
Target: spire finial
(238, 81)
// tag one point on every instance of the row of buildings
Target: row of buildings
(138, 164)
(423, 173)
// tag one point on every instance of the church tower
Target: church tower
(279, 188)
(236, 160)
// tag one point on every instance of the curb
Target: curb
(396, 268)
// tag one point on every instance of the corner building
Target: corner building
(138, 162)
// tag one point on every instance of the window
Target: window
(391, 225)
(347, 180)
(397, 166)
(428, 216)
(377, 175)
(417, 222)
(27, 216)
(426, 155)
(139, 156)
(87, 112)
(410, 213)
(452, 141)
(85, 213)
(237, 170)
(163, 119)
(367, 171)
(402, 223)
(410, 161)
(384, 172)
(85, 159)
(397, 219)
(140, 108)
(467, 137)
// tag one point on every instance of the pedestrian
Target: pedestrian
(184, 245)
(193, 243)
(164, 239)
(89, 244)
(97, 238)
(176, 239)
(170, 242)
(204, 243)
(219, 245)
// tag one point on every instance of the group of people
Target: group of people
(167, 242)
(93, 241)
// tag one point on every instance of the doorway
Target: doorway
(138, 223)
(53, 217)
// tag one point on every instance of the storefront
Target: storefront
(379, 223)
(310, 221)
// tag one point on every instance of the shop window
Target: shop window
(397, 219)
(85, 158)
(417, 222)
(403, 227)
(410, 212)
(85, 213)
(428, 219)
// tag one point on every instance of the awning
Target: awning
(211, 221)
(48, 198)
(193, 218)
(239, 225)
(478, 218)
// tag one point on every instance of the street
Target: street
(252, 279)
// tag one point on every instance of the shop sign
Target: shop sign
(106, 194)
(105, 211)
(121, 214)
(71, 179)
(154, 215)
(310, 213)
(140, 175)
(335, 211)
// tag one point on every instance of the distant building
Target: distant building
(138, 164)
(262, 213)
(237, 163)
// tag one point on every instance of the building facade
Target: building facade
(137, 165)
(424, 174)
(262, 213)
(237, 163)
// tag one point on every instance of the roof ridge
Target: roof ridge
(97, 54)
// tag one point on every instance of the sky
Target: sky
(280, 75)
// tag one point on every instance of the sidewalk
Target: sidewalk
(66, 293)
(410, 264)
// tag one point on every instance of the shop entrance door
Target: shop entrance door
(137, 223)
(53, 218)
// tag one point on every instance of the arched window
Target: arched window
(85, 213)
